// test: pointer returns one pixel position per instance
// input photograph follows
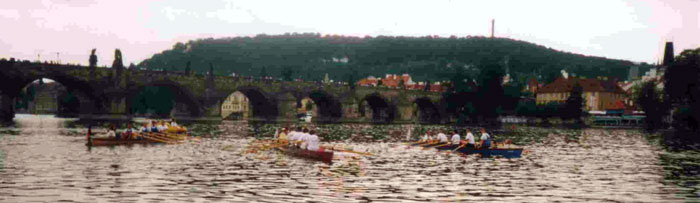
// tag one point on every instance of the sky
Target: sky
(66, 30)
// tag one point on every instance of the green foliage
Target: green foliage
(309, 105)
(651, 102)
(425, 58)
(573, 108)
(287, 73)
(153, 99)
(526, 109)
(682, 89)
(93, 58)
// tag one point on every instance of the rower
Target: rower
(161, 127)
(485, 139)
(282, 137)
(173, 123)
(312, 141)
(154, 127)
(455, 138)
(112, 132)
(303, 137)
(468, 140)
(127, 133)
(426, 137)
(294, 136)
(441, 137)
(144, 128)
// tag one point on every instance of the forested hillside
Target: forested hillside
(311, 56)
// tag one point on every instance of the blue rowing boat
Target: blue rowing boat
(506, 153)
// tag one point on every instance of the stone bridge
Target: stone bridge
(109, 91)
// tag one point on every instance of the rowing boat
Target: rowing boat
(504, 152)
(113, 141)
(149, 138)
(323, 156)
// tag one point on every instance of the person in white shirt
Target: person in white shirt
(112, 132)
(426, 137)
(294, 136)
(304, 136)
(485, 139)
(442, 138)
(468, 140)
(173, 123)
(161, 127)
(312, 141)
(454, 140)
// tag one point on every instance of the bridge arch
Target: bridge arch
(88, 98)
(329, 107)
(179, 93)
(261, 104)
(427, 111)
(381, 109)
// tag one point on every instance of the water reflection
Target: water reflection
(47, 161)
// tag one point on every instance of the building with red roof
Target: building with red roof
(599, 95)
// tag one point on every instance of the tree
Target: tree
(573, 108)
(527, 109)
(379, 82)
(547, 111)
(651, 102)
(188, 70)
(490, 92)
(401, 84)
(682, 89)
(352, 77)
(287, 73)
(93, 58)
(118, 63)
(263, 72)
(427, 86)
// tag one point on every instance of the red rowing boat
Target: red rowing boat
(114, 141)
(326, 157)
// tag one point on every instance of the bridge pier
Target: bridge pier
(405, 112)
(7, 109)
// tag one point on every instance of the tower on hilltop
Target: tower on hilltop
(493, 25)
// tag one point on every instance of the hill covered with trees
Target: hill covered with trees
(311, 56)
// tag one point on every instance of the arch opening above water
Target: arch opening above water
(162, 99)
(329, 108)
(381, 110)
(47, 96)
(427, 111)
(260, 105)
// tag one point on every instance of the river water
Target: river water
(41, 159)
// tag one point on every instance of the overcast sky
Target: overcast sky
(631, 30)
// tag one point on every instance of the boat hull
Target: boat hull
(323, 156)
(506, 153)
(113, 142)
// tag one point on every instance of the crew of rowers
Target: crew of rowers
(302, 138)
(152, 127)
(455, 139)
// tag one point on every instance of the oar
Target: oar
(409, 145)
(349, 151)
(415, 143)
(426, 145)
(157, 139)
(436, 146)
(460, 146)
(165, 137)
